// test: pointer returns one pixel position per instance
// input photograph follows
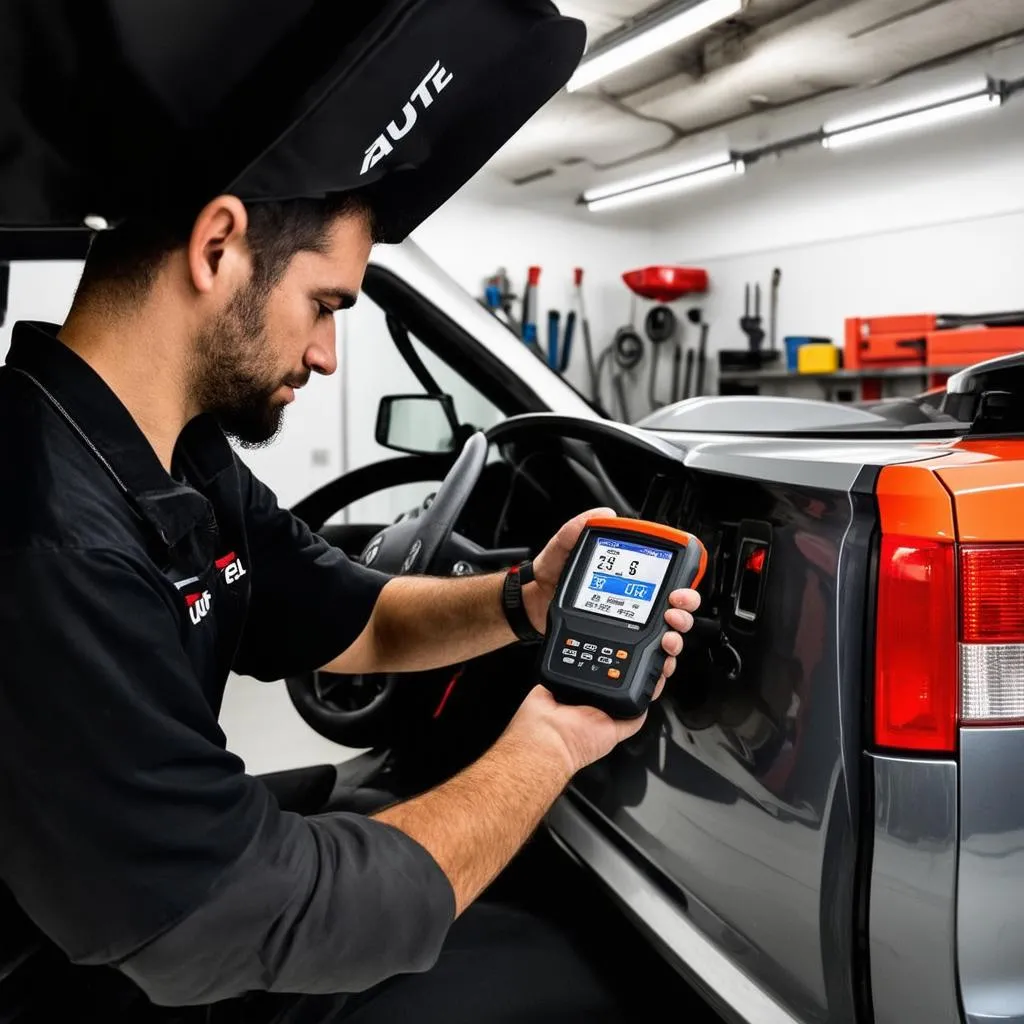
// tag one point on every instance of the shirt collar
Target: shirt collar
(107, 427)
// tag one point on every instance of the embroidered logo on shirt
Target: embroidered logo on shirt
(198, 606)
(231, 566)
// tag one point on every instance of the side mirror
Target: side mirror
(417, 424)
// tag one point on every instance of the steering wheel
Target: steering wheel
(360, 711)
(369, 711)
(405, 546)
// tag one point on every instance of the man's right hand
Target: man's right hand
(474, 823)
(577, 735)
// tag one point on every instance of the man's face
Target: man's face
(252, 358)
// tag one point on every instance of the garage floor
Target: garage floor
(265, 730)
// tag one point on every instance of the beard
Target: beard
(233, 376)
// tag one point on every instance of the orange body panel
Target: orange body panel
(912, 501)
(982, 480)
(987, 483)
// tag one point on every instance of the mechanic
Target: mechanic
(140, 562)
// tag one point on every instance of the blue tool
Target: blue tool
(554, 330)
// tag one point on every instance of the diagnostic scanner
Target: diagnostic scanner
(606, 623)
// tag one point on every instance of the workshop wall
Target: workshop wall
(39, 291)
(913, 224)
(471, 238)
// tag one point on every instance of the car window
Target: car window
(372, 367)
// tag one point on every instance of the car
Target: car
(811, 825)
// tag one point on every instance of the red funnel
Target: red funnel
(665, 284)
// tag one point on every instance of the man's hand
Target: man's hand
(548, 565)
(547, 569)
(578, 735)
(422, 623)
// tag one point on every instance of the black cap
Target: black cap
(112, 108)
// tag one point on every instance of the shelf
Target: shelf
(887, 373)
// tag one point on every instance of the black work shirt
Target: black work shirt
(129, 835)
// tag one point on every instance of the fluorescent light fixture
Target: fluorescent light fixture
(922, 112)
(660, 184)
(647, 41)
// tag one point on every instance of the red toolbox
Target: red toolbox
(930, 339)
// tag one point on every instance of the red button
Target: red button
(614, 673)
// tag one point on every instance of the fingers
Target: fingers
(670, 668)
(687, 600)
(672, 643)
(659, 687)
(680, 621)
(570, 533)
(549, 563)
(596, 513)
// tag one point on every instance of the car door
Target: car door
(739, 802)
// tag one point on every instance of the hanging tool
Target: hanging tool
(588, 347)
(661, 326)
(751, 325)
(570, 326)
(702, 354)
(498, 298)
(688, 385)
(554, 337)
(694, 388)
(774, 315)
(625, 352)
(530, 310)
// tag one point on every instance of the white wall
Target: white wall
(471, 239)
(932, 222)
(39, 291)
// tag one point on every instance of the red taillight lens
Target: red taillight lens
(992, 594)
(916, 660)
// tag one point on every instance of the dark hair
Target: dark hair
(128, 257)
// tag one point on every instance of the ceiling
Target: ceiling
(775, 55)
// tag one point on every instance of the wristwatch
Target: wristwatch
(512, 602)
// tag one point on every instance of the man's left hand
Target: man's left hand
(547, 569)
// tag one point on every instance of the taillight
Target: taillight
(949, 641)
(916, 646)
(992, 634)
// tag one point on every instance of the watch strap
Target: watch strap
(517, 577)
